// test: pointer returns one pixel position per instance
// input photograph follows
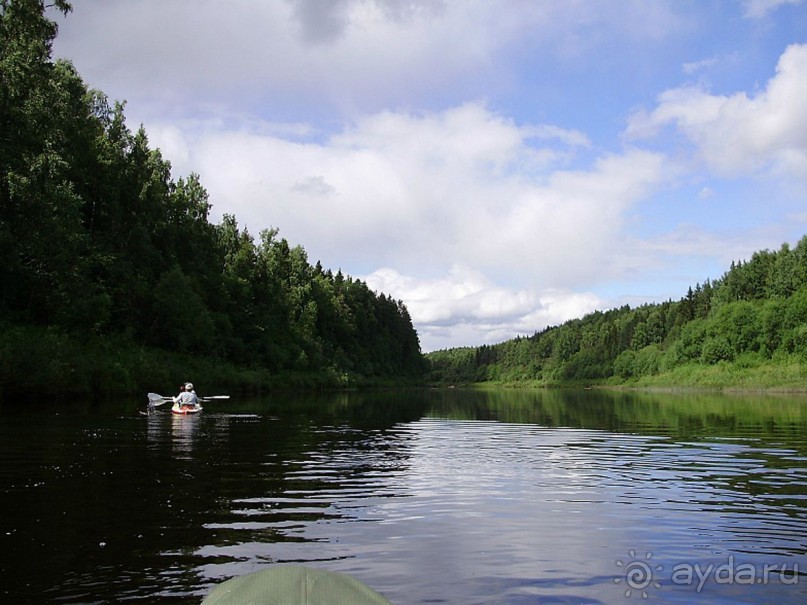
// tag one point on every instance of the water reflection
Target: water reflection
(676, 414)
(455, 496)
(483, 504)
(184, 431)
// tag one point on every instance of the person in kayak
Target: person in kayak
(187, 398)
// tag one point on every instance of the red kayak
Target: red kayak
(186, 409)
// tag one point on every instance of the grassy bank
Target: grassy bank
(749, 374)
(781, 375)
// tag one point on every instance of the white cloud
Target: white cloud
(706, 192)
(700, 253)
(757, 9)
(738, 134)
(692, 67)
(344, 53)
(466, 308)
(429, 193)
(461, 186)
(338, 58)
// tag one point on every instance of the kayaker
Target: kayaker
(187, 398)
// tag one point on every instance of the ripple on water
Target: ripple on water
(425, 510)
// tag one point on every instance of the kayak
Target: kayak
(294, 585)
(185, 410)
(156, 400)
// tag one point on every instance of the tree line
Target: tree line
(99, 241)
(755, 315)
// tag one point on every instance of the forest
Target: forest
(747, 329)
(114, 278)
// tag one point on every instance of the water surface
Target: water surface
(429, 497)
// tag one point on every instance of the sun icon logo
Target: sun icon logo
(638, 574)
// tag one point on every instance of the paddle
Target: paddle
(155, 399)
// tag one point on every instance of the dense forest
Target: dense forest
(745, 329)
(107, 261)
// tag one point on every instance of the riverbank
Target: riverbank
(40, 362)
(784, 376)
(750, 375)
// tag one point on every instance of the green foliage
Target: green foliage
(717, 348)
(754, 316)
(181, 318)
(98, 241)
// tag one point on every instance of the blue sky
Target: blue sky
(499, 165)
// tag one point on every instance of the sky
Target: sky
(498, 165)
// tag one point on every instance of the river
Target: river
(433, 496)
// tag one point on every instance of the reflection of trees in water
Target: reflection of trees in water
(681, 415)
